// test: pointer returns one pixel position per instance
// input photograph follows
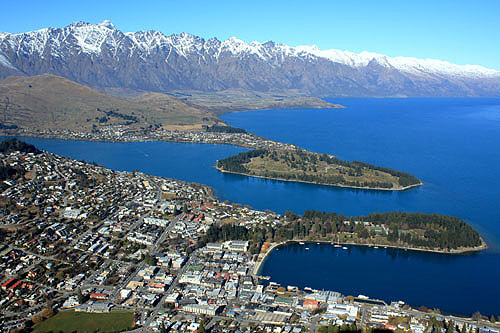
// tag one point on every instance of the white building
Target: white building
(206, 309)
(158, 222)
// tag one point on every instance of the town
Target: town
(76, 237)
(121, 133)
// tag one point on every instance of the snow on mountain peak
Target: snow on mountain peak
(107, 24)
(404, 64)
(90, 38)
(238, 47)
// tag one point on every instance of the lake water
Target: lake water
(452, 145)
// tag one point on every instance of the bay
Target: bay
(452, 145)
(457, 284)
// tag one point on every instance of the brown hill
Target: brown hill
(52, 102)
(232, 100)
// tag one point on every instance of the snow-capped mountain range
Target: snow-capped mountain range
(101, 56)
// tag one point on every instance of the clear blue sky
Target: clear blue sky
(459, 31)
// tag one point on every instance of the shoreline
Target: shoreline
(243, 145)
(484, 245)
(260, 261)
(324, 184)
(145, 139)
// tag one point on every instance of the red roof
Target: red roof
(14, 286)
(6, 283)
(311, 303)
(157, 285)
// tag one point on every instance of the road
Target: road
(170, 289)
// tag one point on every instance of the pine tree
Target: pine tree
(80, 296)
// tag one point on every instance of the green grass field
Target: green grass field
(71, 321)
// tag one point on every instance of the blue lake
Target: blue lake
(452, 145)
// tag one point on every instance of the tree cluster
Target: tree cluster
(224, 129)
(442, 231)
(4, 126)
(114, 113)
(8, 172)
(235, 163)
(405, 229)
(11, 145)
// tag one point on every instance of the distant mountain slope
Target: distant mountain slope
(52, 102)
(103, 57)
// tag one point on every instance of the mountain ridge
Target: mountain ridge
(101, 56)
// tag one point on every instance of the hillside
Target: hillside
(52, 102)
(178, 114)
(231, 100)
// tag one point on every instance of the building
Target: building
(157, 288)
(135, 284)
(125, 293)
(137, 237)
(158, 222)
(239, 246)
(206, 309)
(214, 246)
(14, 285)
(8, 283)
(94, 307)
(70, 213)
(178, 262)
(98, 296)
(71, 302)
(343, 310)
(310, 304)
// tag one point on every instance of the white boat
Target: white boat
(307, 249)
(301, 243)
(344, 248)
(375, 247)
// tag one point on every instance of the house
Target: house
(125, 293)
(310, 304)
(14, 286)
(214, 246)
(98, 296)
(8, 283)
(157, 288)
(178, 262)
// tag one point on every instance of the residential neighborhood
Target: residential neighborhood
(76, 236)
(121, 133)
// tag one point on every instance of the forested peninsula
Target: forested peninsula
(304, 166)
(416, 231)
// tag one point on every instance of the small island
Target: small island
(412, 231)
(296, 164)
